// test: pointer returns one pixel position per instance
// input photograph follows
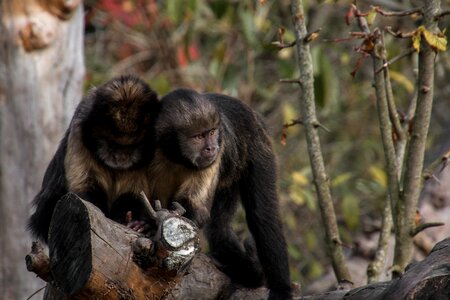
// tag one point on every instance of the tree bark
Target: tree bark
(41, 75)
(407, 205)
(311, 125)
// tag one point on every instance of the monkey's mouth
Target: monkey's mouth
(119, 159)
(205, 161)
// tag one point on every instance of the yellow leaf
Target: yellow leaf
(416, 40)
(371, 16)
(296, 196)
(402, 80)
(299, 178)
(379, 175)
(289, 113)
(436, 41)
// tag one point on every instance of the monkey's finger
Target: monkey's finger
(128, 216)
(132, 224)
(144, 229)
(178, 209)
(136, 225)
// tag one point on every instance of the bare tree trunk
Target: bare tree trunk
(41, 74)
(311, 124)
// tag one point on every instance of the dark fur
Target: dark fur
(104, 154)
(245, 169)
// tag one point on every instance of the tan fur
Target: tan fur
(171, 182)
(82, 169)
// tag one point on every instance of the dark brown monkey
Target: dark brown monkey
(211, 151)
(104, 154)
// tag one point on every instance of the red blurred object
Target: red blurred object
(192, 54)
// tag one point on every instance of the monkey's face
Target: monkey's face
(200, 148)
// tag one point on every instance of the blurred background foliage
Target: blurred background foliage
(226, 46)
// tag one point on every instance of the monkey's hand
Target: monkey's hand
(136, 225)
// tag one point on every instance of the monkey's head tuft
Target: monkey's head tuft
(119, 126)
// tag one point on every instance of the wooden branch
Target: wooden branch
(376, 266)
(416, 150)
(422, 227)
(440, 161)
(92, 257)
(309, 119)
(398, 13)
(38, 262)
(385, 102)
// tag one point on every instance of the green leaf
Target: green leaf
(219, 7)
(310, 199)
(350, 211)
(341, 179)
(161, 84)
(248, 27)
(294, 252)
(315, 270)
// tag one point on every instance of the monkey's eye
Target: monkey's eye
(198, 137)
(212, 132)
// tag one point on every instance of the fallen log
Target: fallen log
(93, 257)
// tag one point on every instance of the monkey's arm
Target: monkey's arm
(243, 267)
(261, 206)
(54, 186)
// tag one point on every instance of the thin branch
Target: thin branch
(40, 289)
(312, 36)
(290, 81)
(283, 46)
(309, 119)
(442, 160)
(383, 92)
(293, 123)
(317, 124)
(442, 14)
(395, 59)
(398, 13)
(377, 264)
(422, 227)
(393, 115)
(399, 34)
(148, 207)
